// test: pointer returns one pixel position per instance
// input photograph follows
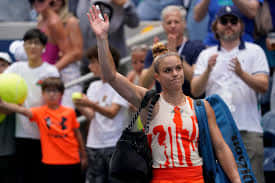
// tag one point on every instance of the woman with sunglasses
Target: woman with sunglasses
(65, 46)
(175, 160)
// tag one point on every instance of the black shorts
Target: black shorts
(62, 173)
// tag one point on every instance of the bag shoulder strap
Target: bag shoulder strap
(154, 96)
(205, 142)
(150, 111)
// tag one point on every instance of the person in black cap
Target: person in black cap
(228, 14)
(236, 70)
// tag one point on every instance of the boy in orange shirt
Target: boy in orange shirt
(63, 151)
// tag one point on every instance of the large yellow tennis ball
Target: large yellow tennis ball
(13, 88)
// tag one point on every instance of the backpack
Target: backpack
(211, 168)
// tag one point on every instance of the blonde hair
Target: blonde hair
(160, 51)
(63, 13)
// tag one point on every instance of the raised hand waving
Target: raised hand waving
(98, 25)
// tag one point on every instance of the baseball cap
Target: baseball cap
(6, 57)
(18, 51)
(228, 10)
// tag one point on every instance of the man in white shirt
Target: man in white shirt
(237, 71)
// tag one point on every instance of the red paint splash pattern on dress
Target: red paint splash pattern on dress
(177, 140)
(161, 140)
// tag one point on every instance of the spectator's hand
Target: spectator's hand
(100, 27)
(83, 160)
(172, 42)
(156, 40)
(119, 2)
(235, 66)
(79, 108)
(212, 61)
(3, 106)
(82, 102)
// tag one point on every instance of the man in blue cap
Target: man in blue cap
(248, 10)
(236, 70)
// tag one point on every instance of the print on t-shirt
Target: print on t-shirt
(56, 126)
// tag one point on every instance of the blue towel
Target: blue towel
(212, 169)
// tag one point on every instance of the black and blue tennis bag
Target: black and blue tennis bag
(213, 172)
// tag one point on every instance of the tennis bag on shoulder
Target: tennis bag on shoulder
(131, 161)
(211, 168)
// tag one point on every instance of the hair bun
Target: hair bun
(159, 49)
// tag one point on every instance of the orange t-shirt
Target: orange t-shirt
(58, 140)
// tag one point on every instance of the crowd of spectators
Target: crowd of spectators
(221, 54)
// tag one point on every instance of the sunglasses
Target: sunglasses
(226, 20)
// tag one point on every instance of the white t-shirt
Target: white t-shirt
(32, 76)
(240, 98)
(104, 131)
(68, 74)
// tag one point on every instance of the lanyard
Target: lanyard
(181, 47)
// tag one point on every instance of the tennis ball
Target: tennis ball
(13, 88)
(139, 123)
(2, 117)
(76, 95)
